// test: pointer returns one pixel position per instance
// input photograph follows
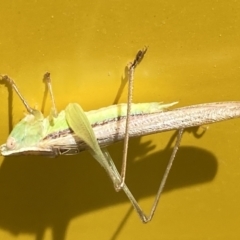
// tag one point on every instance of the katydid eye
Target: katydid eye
(11, 143)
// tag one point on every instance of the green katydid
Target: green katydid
(74, 130)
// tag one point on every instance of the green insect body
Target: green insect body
(35, 131)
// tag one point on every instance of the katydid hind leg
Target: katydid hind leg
(131, 69)
(112, 168)
(142, 215)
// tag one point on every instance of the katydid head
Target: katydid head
(25, 135)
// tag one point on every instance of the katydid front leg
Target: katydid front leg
(10, 81)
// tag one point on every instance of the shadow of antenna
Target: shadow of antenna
(10, 102)
(124, 81)
(44, 96)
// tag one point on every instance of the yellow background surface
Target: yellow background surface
(193, 57)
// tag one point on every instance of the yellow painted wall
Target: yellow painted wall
(193, 57)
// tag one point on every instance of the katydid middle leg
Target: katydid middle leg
(47, 80)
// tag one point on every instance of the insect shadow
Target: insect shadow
(37, 193)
